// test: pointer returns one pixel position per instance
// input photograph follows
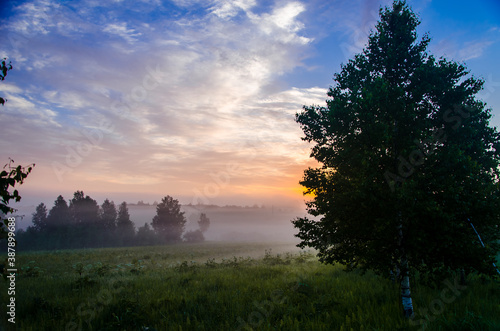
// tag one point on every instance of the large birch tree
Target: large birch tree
(408, 161)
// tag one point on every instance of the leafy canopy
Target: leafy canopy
(407, 158)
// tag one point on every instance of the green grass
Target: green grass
(221, 286)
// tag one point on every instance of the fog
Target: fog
(227, 223)
(234, 223)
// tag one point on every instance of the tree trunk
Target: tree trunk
(404, 274)
(462, 277)
(405, 289)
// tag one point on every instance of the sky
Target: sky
(138, 99)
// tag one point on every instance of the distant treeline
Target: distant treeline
(82, 223)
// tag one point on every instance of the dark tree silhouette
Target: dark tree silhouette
(169, 221)
(124, 226)
(146, 235)
(84, 209)
(58, 224)
(408, 158)
(40, 218)
(59, 214)
(86, 230)
(204, 222)
(108, 215)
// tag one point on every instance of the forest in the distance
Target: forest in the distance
(83, 223)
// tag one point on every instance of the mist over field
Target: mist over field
(227, 223)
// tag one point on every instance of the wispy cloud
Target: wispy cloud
(185, 96)
(120, 29)
(472, 50)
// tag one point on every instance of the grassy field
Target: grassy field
(225, 286)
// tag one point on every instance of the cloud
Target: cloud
(461, 50)
(120, 29)
(472, 50)
(185, 96)
(228, 8)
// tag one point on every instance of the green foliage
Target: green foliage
(4, 68)
(31, 270)
(226, 292)
(9, 177)
(407, 157)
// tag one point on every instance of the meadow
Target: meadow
(230, 286)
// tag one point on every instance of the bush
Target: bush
(194, 236)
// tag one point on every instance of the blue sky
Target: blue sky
(195, 99)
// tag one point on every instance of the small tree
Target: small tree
(40, 218)
(204, 222)
(58, 215)
(86, 230)
(124, 226)
(108, 215)
(146, 235)
(84, 209)
(169, 221)
(58, 224)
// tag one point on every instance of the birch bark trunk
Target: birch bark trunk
(405, 289)
(404, 274)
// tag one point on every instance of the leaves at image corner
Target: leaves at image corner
(4, 68)
(9, 177)
(404, 145)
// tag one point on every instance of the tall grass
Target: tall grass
(214, 286)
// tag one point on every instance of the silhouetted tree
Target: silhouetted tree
(169, 221)
(83, 209)
(58, 223)
(108, 215)
(204, 222)
(146, 235)
(87, 231)
(407, 157)
(40, 218)
(124, 226)
(59, 214)
(107, 222)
